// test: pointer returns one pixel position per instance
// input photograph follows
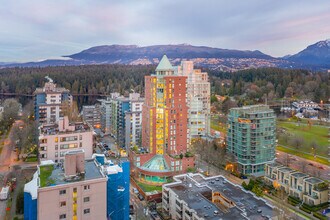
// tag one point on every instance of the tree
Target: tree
(10, 112)
(20, 202)
(297, 142)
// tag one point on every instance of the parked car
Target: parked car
(131, 210)
(141, 198)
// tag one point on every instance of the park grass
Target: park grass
(315, 133)
(148, 188)
(303, 155)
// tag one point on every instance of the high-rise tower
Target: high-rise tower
(164, 126)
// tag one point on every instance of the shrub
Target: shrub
(319, 216)
(305, 210)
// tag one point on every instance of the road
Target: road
(139, 207)
(303, 165)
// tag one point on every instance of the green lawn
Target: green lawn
(31, 159)
(303, 155)
(317, 134)
(149, 188)
(217, 125)
(45, 173)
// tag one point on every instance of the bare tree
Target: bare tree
(297, 142)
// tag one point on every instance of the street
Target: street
(306, 166)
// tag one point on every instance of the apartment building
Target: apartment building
(106, 112)
(164, 126)
(77, 190)
(49, 101)
(310, 190)
(198, 99)
(194, 197)
(91, 115)
(56, 139)
(133, 120)
(80, 189)
(251, 137)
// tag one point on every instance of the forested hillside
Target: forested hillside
(253, 84)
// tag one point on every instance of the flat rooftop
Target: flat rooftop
(299, 175)
(52, 129)
(314, 180)
(196, 191)
(53, 174)
(275, 165)
(285, 169)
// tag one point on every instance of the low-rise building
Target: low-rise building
(91, 115)
(310, 190)
(194, 197)
(56, 139)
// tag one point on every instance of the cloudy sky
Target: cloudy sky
(38, 29)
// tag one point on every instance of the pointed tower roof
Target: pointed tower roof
(164, 64)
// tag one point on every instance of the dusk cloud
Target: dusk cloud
(36, 29)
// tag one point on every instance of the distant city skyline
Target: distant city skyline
(36, 30)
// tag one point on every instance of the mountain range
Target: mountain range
(316, 57)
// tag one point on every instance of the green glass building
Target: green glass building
(251, 137)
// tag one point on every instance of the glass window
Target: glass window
(63, 216)
(63, 203)
(62, 192)
(86, 199)
(87, 211)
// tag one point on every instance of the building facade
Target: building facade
(78, 192)
(106, 112)
(58, 138)
(164, 126)
(49, 102)
(198, 99)
(91, 114)
(194, 197)
(133, 120)
(81, 189)
(251, 137)
(310, 190)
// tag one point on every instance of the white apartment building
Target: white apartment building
(310, 190)
(133, 120)
(49, 102)
(57, 138)
(198, 99)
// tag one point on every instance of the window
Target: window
(87, 211)
(63, 203)
(43, 141)
(74, 190)
(56, 154)
(72, 138)
(86, 199)
(62, 192)
(86, 187)
(63, 216)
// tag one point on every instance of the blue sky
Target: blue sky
(38, 29)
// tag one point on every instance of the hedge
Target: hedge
(319, 216)
(305, 210)
(316, 207)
